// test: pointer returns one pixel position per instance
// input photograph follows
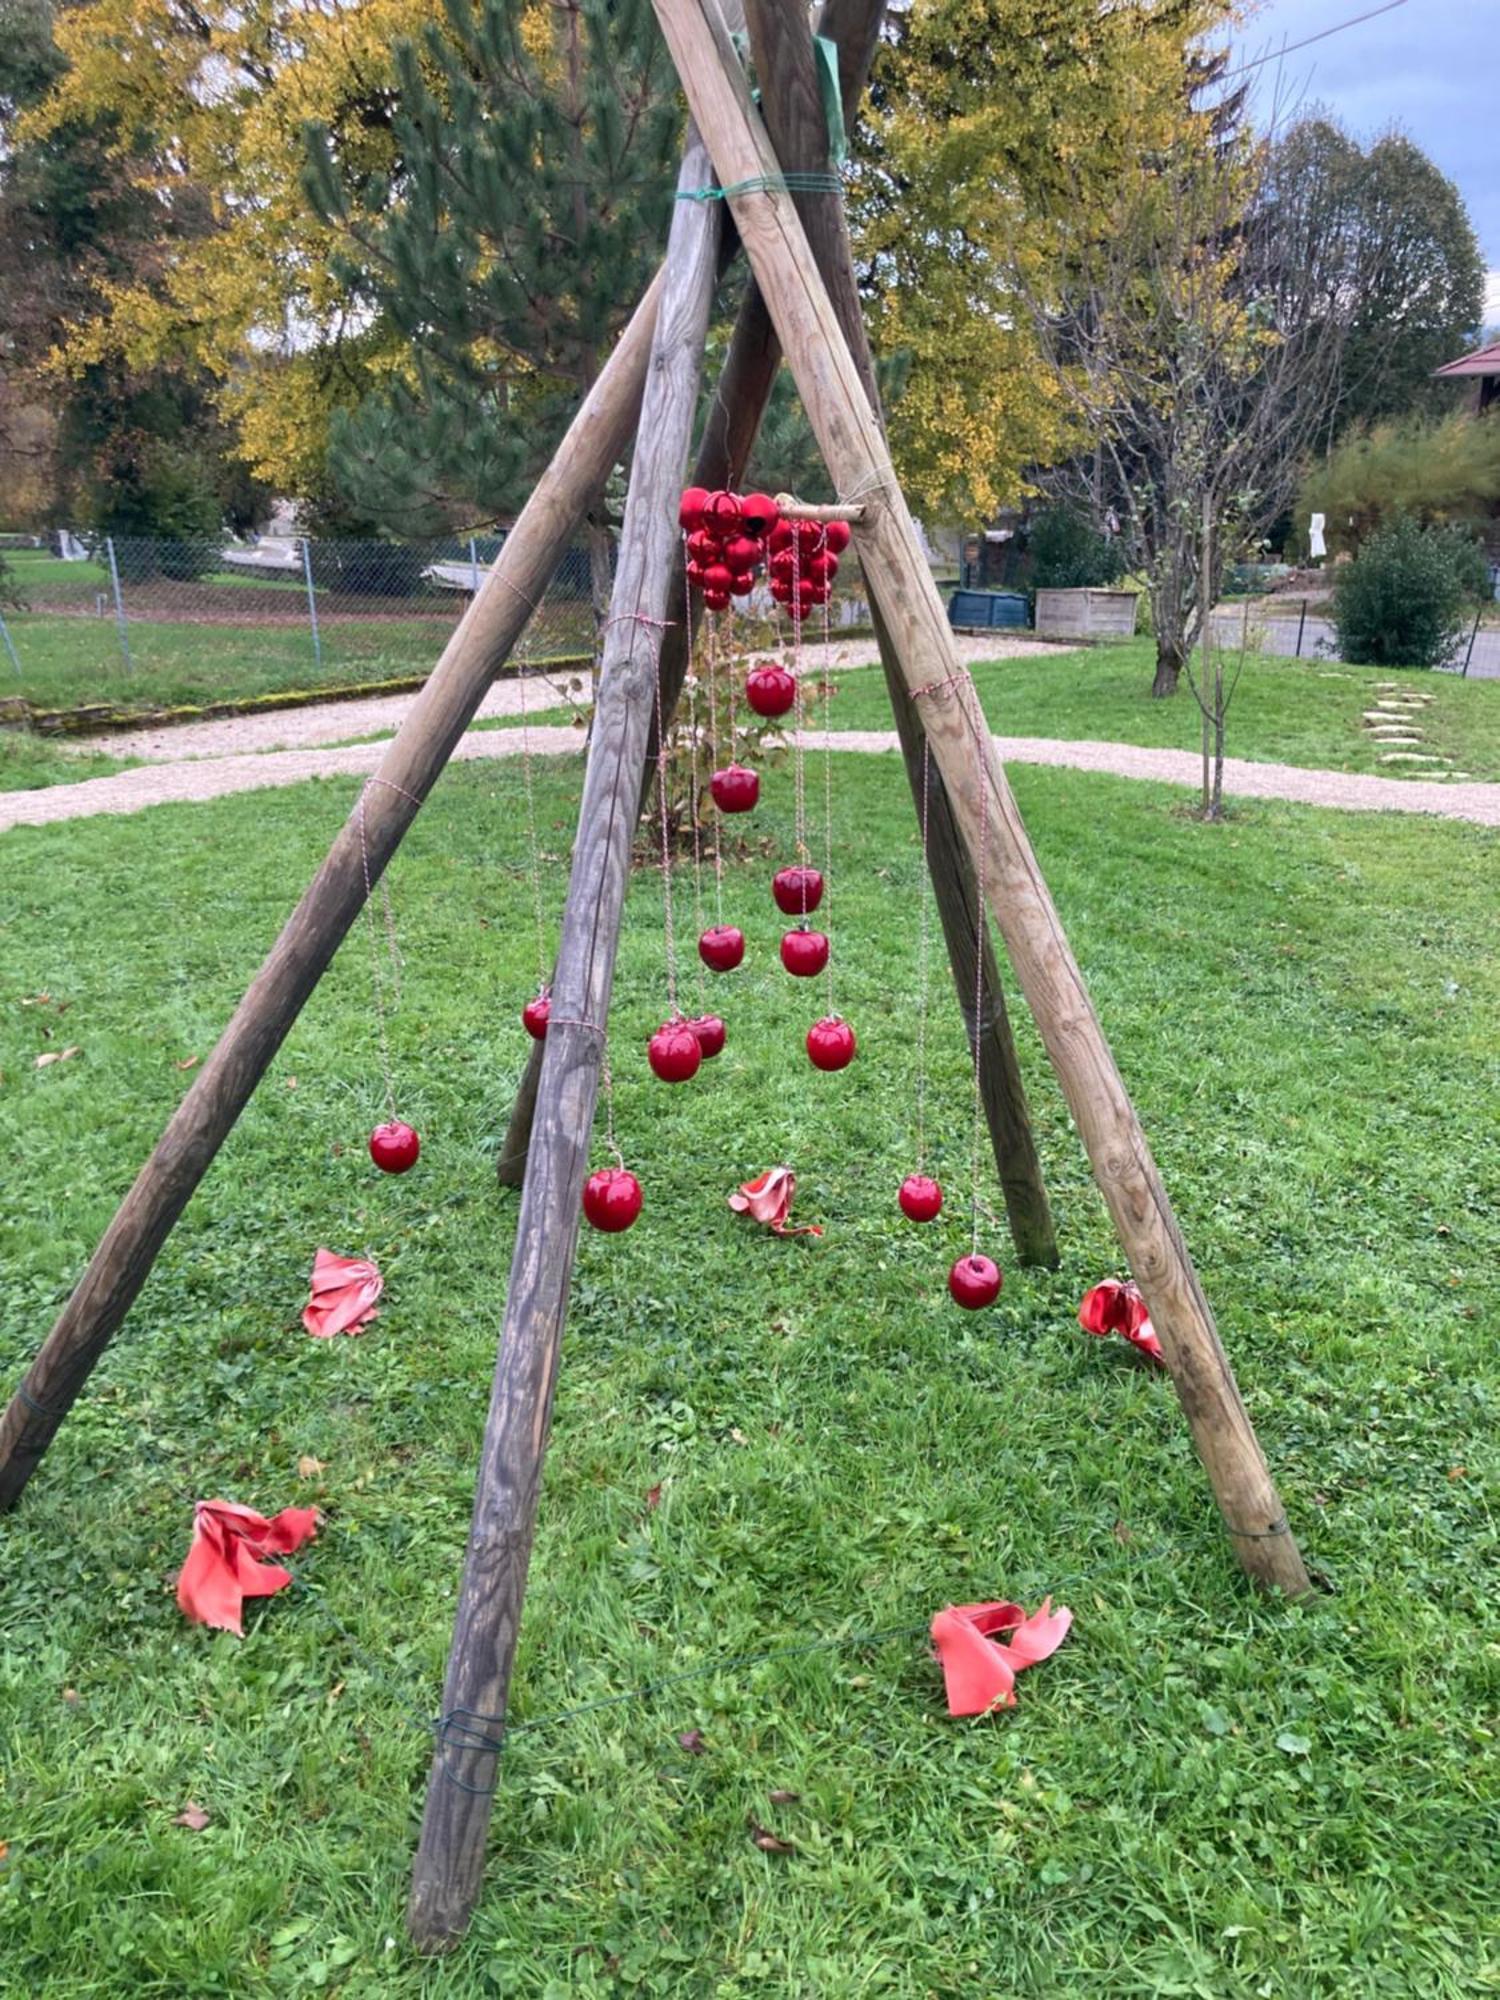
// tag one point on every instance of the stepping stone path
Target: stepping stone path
(1394, 720)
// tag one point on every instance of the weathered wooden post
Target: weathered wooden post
(857, 459)
(450, 1856)
(491, 626)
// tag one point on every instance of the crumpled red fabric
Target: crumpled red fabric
(979, 1671)
(1116, 1306)
(768, 1199)
(344, 1291)
(224, 1564)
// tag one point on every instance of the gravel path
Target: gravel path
(344, 721)
(209, 777)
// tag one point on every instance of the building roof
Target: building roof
(1484, 361)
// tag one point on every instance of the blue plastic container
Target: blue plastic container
(987, 610)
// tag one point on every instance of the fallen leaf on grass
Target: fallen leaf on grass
(193, 1817)
(291, 1083)
(653, 1495)
(770, 1843)
(692, 1741)
(737, 1436)
(783, 1798)
(58, 1055)
(188, 1062)
(309, 1467)
(37, 1000)
(70, 1697)
(1121, 1533)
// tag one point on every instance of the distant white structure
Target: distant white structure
(272, 555)
(1317, 547)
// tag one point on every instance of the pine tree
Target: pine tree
(535, 148)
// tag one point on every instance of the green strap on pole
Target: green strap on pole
(826, 55)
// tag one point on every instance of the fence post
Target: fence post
(473, 567)
(121, 623)
(1469, 650)
(312, 604)
(10, 644)
(1301, 628)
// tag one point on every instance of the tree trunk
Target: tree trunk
(1170, 654)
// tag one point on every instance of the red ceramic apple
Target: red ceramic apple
(804, 953)
(770, 690)
(797, 891)
(735, 788)
(975, 1282)
(394, 1147)
(674, 1052)
(721, 947)
(920, 1197)
(711, 1033)
(536, 1014)
(611, 1199)
(830, 1043)
(836, 536)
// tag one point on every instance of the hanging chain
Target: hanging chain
(924, 921)
(536, 865)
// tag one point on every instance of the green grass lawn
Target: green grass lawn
(1203, 1793)
(28, 761)
(1284, 711)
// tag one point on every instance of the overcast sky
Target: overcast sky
(1431, 67)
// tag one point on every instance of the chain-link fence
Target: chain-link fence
(1299, 628)
(145, 621)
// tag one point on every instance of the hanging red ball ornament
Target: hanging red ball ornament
(836, 536)
(536, 1014)
(702, 546)
(740, 552)
(711, 1034)
(723, 512)
(695, 574)
(830, 1043)
(717, 600)
(744, 583)
(722, 947)
(797, 891)
(974, 1282)
(822, 568)
(781, 537)
(759, 513)
(809, 537)
(717, 576)
(692, 511)
(735, 789)
(770, 691)
(804, 953)
(394, 1147)
(781, 589)
(784, 566)
(674, 1052)
(611, 1199)
(921, 1198)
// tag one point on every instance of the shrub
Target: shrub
(1069, 553)
(1445, 471)
(1401, 602)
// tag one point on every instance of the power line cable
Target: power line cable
(1291, 48)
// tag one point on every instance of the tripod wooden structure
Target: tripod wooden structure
(802, 304)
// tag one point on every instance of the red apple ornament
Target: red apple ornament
(711, 1034)
(721, 947)
(674, 1052)
(836, 536)
(920, 1197)
(692, 510)
(830, 1043)
(975, 1282)
(804, 953)
(770, 691)
(797, 891)
(735, 788)
(536, 1014)
(759, 514)
(394, 1147)
(611, 1199)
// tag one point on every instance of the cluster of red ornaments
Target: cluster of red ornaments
(726, 538)
(803, 559)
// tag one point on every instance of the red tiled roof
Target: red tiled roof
(1484, 361)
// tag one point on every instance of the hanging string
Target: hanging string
(799, 767)
(711, 650)
(666, 845)
(392, 966)
(607, 1086)
(535, 857)
(827, 789)
(976, 724)
(924, 921)
(694, 795)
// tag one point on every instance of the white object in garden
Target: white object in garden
(1317, 548)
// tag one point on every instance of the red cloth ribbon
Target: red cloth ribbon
(344, 1291)
(224, 1564)
(768, 1199)
(1116, 1306)
(978, 1671)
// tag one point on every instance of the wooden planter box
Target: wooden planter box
(1085, 614)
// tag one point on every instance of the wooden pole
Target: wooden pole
(964, 751)
(450, 1856)
(729, 434)
(490, 627)
(781, 44)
